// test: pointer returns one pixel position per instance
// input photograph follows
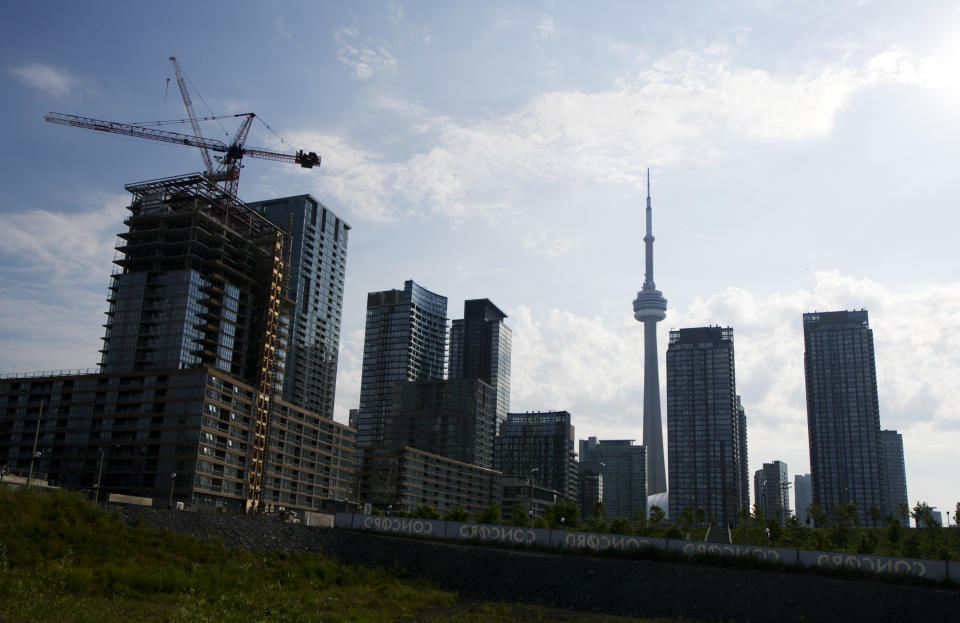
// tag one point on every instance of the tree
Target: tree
(597, 522)
(563, 515)
(847, 516)
(621, 525)
(816, 514)
(923, 515)
(426, 512)
(876, 515)
(903, 512)
(457, 513)
(640, 520)
(700, 516)
(685, 520)
(657, 516)
(956, 516)
(540, 522)
(518, 515)
(489, 513)
(894, 529)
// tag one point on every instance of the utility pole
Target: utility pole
(36, 437)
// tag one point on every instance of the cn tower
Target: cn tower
(650, 308)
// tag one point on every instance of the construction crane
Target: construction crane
(227, 171)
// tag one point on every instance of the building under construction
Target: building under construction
(186, 405)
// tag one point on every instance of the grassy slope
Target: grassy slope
(64, 559)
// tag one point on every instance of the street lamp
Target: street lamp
(530, 480)
(173, 478)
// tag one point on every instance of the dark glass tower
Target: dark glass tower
(480, 345)
(843, 416)
(317, 265)
(622, 466)
(405, 340)
(772, 490)
(705, 425)
(896, 474)
(539, 448)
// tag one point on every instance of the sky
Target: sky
(802, 158)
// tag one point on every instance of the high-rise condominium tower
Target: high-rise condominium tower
(802, 496)
(480, 349)
(772, 490)
(650, 308)
(622, 466)
(539, 448)
(896, 475)
(318, 261)
(843, 417)
(405, 340)
(704, 425)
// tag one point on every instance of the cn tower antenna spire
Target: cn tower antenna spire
(650, 308)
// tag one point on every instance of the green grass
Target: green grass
(64, 559)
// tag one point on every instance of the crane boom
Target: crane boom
(307, 160)
(188, 104)
(129, 129)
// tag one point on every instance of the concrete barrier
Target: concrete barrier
(917, 567)
(497, 534)
(595, 541)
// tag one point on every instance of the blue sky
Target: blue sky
(803, 158)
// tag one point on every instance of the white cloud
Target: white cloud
(349, 368)
(539, 244)
(68, 248)
(47, 78)
(63, 333)
(363, 58)
(684, 107)
(545, 28)
(55, 273)
(396, 12)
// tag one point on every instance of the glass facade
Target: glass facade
(843, 416)
(405, 339)
(896, 474)
(622, 467)
(318, 262)
(706, 425)
(480, 347)
(802, 497)
(455, 418)
(771, 487)
(539, 446)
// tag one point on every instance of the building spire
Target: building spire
(648, 283)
